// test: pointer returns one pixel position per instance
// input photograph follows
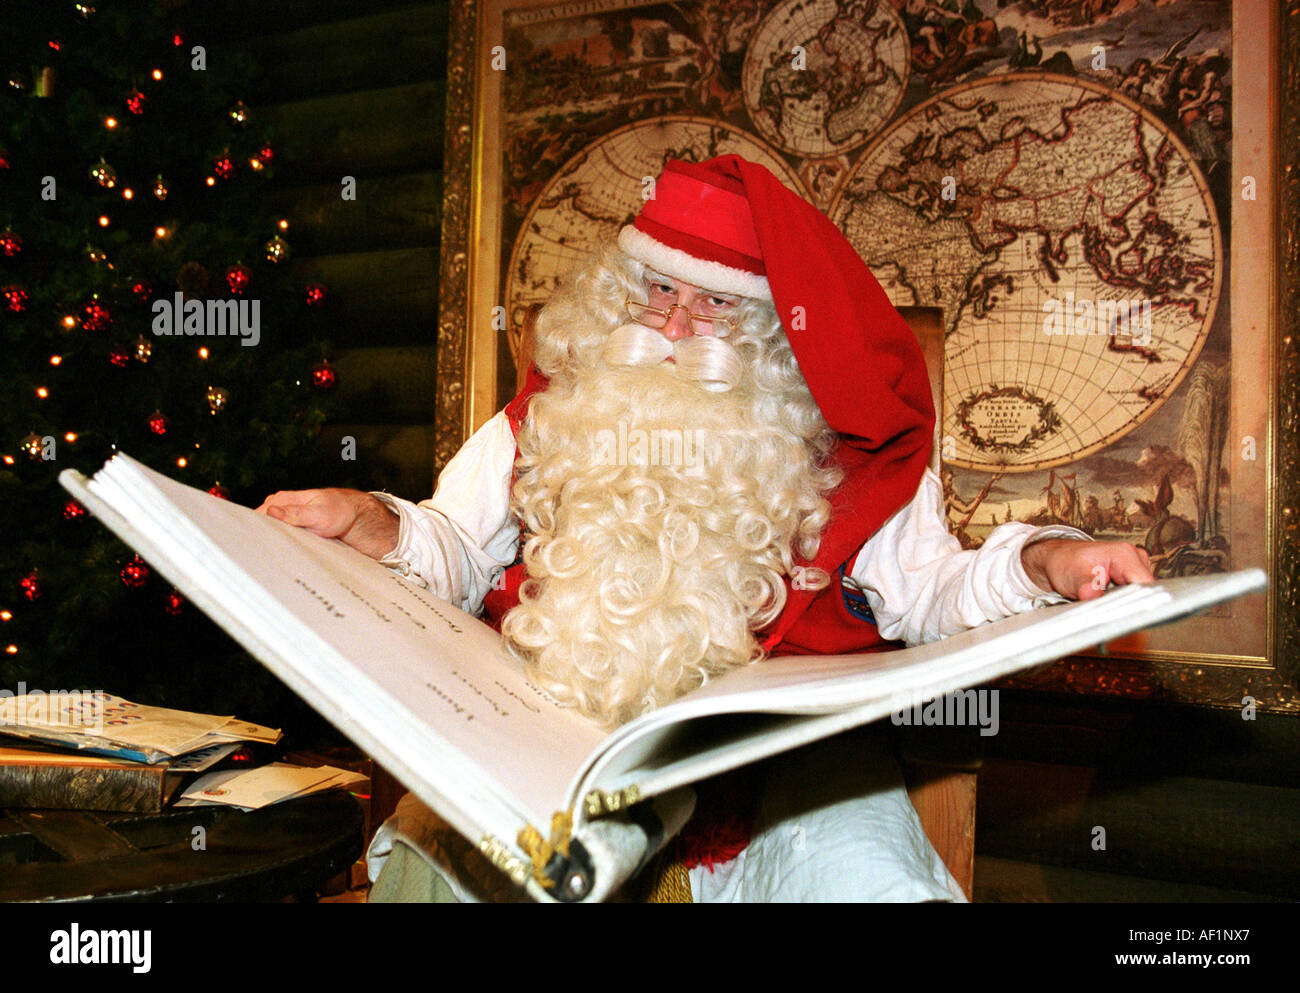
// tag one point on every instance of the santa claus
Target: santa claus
(722, 450)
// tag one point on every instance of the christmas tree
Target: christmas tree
(147, 306)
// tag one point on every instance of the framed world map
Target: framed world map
(1089, 191)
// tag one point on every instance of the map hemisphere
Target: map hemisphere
(822, 76)
(1073, 245)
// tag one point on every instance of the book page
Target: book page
(407, 668)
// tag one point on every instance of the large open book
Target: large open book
(427, 690)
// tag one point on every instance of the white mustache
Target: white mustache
(709, 361)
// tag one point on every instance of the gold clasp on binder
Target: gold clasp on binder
(561, 865)
(505, 860)
(598, 803)
(540, 850)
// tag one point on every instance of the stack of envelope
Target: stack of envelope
(103, 724)
(252, 789)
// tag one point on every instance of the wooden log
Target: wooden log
(390, 48)
(381, 298)
(396, 457)
(396, 129)
(393, 385)
(389, 212)
(252, 18)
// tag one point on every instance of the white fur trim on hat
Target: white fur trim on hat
(705, 274)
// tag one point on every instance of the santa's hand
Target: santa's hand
(355, 518)
(1081, 570)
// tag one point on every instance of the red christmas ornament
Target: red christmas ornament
(119, 357)
(238, 277)
(73, 510)
(219, 491)
(142, 290)
(95, 316)
(10, 244)
(30, 586)
(265, 154)
(158, 423)
(15, 298)
(174, 603)
(324, 378)
(223, 166)
(135, 573)
(4, 159)
(135, 102)
(54, 44)
(178, 39)
(315, 294)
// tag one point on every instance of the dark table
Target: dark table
(286, 849)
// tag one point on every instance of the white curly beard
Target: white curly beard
(661, 513)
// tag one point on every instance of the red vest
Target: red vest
(814, 622)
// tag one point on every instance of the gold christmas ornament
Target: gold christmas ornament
(32, 445)
(143, 348)
(104, 174)
(160, 187)
(217, 398)
(277, 250)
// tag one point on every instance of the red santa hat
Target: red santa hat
(730, 225)
(698, 227)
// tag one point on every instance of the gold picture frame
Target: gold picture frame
(471, 348)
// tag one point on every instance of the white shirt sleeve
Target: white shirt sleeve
(923, 586)
(458, 542)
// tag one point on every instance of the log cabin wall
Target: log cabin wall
(359, 90)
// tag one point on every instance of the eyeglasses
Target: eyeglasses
(653, 317)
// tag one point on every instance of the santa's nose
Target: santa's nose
(679, 323)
